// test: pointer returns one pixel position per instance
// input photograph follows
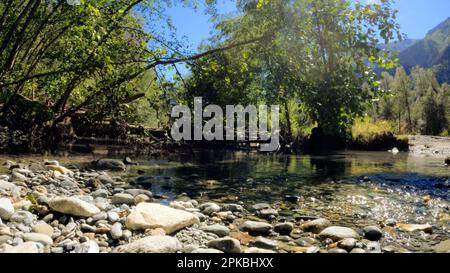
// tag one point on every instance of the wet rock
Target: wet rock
(284, 228)
(149, 215)
(336, 233)
(127, 160)
(265, 243)
(347, 244)
(358, 251)
(151, 244)
(292, 198)
(312, 249)
(256, 228)
(442, 247)
(6, 209)
(391, 222)
(227, 245)
(111, 164)
(209, 208)
(372, 233)
(337, 250)
(122, 198)
(316, 226)
(28, 247)
(414, 227)
(219, 230)
(43, 228)
(38, 238)
(73, 206)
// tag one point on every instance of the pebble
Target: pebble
(265, 243)
(113, 216)
(347, 244)
(284, 228)
(337, 233)
(122, 198)
(116, 231)
(43, 228)
(372, 233)
(226, 244)
(219, 230)
(256, 228)
(316, 226)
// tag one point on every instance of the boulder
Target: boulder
(73, 206)
(150, 216)
(111, 164)
(151, 244)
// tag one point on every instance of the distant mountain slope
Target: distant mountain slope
(431, 52)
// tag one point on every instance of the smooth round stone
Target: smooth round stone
(284, 228)
(227, 245)
(313, 249)
(347, 244)
(255, 250)
(28, 247)
(100, 193)
(260, 206)
(219, 230)
(265, 243)
(372, 233)
(100, 216)
(116, 231)
(123, 198)
(256, 228)
(113, 216)
(337, 250)
(24, 217)
(316, 226)
(336, 233)
(358, 251)
(38, 238)
(209, 208)
(43, 228)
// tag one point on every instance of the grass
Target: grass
(366, 130)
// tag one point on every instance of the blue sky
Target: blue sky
(416, 18)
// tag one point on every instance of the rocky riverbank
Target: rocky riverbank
(49, 208)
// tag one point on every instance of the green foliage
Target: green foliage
(312, 57)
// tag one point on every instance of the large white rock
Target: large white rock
(150, 215)
(6, 208)
(8, 186)
(73, 206)
(338, 233)
(28, 247)
(38, 238)
(151, 244)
